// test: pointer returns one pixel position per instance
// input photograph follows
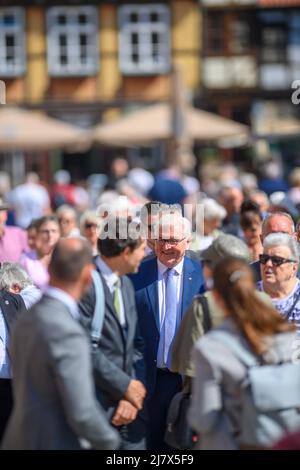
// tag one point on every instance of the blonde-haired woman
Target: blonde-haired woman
(90, 229)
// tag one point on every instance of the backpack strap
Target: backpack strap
(206, 313)
(98, 316)
(234, 345)
(286, 315)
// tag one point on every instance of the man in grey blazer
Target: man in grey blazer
(54, 402)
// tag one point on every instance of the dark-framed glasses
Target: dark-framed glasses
(276, 260)
(171, 241)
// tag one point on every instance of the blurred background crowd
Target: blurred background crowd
(103, 72)
(138, 110)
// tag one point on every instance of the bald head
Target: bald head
(277, 222)
(69, 258)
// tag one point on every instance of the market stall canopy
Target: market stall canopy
(33, 131)
(154, 123)
(279, 127)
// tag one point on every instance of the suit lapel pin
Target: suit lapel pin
(6, 302)
(190, 278)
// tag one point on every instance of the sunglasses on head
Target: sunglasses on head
(276, 260)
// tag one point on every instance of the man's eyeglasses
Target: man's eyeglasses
(163, 241)
(276, 260)
(90, 225)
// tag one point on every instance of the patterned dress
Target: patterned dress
(284, 305)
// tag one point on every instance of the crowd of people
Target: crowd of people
(100, 331)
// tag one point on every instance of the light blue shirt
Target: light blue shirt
(5, 370)
(64, 298)
(111, 279)
(161, 288)
(31, 295)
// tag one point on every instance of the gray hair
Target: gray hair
(259, 192)
(65, 209)
(173, 219)
(213, 210)
(62, 177)
(270, 215)
(283, 239)
(90, 217)
(12, 274)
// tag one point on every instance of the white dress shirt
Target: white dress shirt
(162, 301)
(111, 279)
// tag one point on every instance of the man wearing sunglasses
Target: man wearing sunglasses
(279, 264)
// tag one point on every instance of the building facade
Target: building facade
(87, 55)
(251, 56)
(85, 62)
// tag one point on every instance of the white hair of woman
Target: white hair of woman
(283, 239)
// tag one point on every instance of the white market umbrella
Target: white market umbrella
(154, 123)
(33, 131)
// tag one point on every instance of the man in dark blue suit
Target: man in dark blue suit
(165, 286)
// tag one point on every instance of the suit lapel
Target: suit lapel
(152, 291)
(189, 274)
(109, 303)
(128, 315)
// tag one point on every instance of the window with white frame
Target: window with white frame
(144, 42)
(12, 61)
(72, 40)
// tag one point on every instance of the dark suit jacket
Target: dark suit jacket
(12, 305)
(120, 353)
(145, 283)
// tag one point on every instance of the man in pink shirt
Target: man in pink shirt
(13, 240)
